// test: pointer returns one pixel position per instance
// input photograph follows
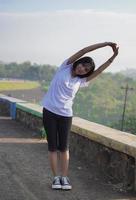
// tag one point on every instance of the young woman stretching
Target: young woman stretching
(75, 72)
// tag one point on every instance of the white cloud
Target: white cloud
(51, 37)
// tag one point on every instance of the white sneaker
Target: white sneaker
(56, 183)
(65, 183)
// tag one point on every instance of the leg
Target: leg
(50, 126)
(64, 127)
(53, 162)
(53, 157)
(65, 182)
(64, 161)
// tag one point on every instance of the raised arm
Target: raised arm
(104, 65)
(85, 50)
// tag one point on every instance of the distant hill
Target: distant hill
(131, 73)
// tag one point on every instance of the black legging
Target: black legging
(57, 128)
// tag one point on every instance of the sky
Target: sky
(50, 31)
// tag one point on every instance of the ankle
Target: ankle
(64, 176)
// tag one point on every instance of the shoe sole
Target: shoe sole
(66, 187)
(56, 187)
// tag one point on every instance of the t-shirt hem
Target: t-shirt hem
(57, 112)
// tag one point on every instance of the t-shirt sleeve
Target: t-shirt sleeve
(64, 65)
(84, 83)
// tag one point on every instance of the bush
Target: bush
(43, 133)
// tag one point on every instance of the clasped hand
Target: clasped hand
(114, 47)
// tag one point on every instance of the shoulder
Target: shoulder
(65, 65)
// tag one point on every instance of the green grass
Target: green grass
(18, 85)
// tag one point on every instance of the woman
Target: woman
(75, 72)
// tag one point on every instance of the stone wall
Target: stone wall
(110, 165)
(29, 120)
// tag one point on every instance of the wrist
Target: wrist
(106, 43)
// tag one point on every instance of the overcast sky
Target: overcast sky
(49, 31)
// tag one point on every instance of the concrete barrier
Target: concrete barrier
(8, 105)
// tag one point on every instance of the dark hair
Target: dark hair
(85, 60)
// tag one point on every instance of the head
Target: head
(84, 67)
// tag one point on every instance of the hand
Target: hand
(114, 55)
(112, 45)
(116, 51)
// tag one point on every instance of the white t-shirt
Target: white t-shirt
(61, 93)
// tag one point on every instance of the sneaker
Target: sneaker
(56, 183)
(65, 183)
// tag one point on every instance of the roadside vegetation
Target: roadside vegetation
(18, 85)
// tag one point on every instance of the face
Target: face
(82, 69)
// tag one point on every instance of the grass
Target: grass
(18, 85)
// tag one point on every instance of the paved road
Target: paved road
(25, 173)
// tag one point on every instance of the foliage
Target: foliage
(129, 124)
(27, 71)
(43, 133)
(103, 100)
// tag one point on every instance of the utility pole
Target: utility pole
(125, 102)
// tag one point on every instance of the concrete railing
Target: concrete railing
(8, 105)
(111, 153)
